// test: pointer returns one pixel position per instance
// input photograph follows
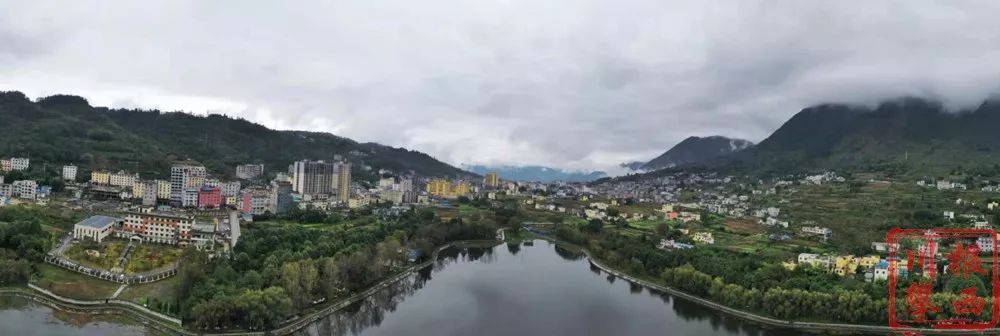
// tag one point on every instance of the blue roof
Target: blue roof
(98, 221)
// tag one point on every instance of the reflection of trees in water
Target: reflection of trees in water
(13, 302)
(611, 278)
(690, 311)
(513, 248)
(369, 312)
(635, 288)
(595, 269)
(567, 254)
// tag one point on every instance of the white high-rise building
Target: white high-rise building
(185, 176)
(25, 189)
(249, 171)
(314, 177)
(230, 188)
(69, 173)
(149, 193)
(19, 163)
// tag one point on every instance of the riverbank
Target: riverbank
(173, 326)
(812, 327)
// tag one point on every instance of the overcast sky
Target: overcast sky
(573, 84)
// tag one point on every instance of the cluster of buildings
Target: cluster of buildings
(943, 185)
(21, 189)
(14, 164)
(874, 267)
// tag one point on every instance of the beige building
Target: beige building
(162, 189)
(491, 180)
(122, 179)
(157, 227)
(138, 189)
(100, 177)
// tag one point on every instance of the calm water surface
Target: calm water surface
(23, 317)
(525, 290)
(505, 290)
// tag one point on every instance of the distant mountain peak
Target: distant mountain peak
(536, 173)
(695, 149)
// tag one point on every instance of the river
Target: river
(540, 289)
(533, 289)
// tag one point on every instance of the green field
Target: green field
(73, 285)
(160, 295)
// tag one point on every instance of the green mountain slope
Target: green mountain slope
(65, 129)
(905, 134)
(909, 135)
(696, 149)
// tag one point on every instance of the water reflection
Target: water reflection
(520, 290)
(23, 317)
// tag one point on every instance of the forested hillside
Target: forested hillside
(65, 129)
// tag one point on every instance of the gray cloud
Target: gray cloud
(568, 83)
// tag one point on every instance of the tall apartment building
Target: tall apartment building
(157, 227)
(69, 173)
(249, 171)
(24, 189)
(19, 163)
(314, 177)
(149, 193)
(189, 198)
(491, 180)
(209, 197)
(185, 176)
(5, 165)
(281, 197)
(344, 182)
(162, 189)
(255, 201)
(230, 188)
(138, 189)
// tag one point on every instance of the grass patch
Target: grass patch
(73, 285)
(160, 296)
(108, 258)
(148, 257)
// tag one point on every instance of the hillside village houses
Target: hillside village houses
(14, 164)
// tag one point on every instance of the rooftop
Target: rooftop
(99, 222)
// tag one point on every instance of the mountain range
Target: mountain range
(900, 135)
(696, 149)
(536, 173)
(64, 129)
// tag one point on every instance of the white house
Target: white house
(703, 237)
(95, 228)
